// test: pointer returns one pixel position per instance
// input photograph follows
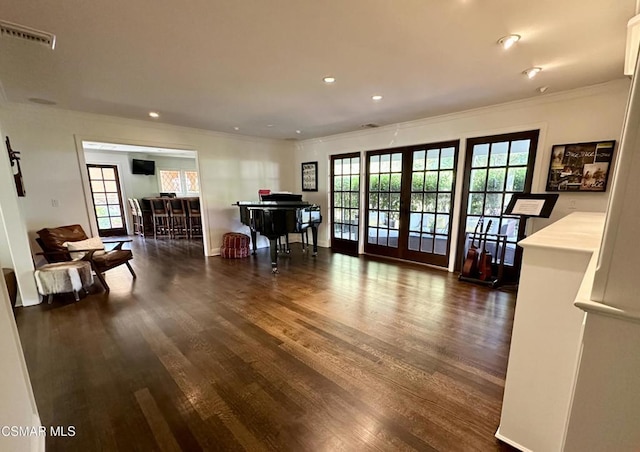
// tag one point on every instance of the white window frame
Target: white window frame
(183, 181)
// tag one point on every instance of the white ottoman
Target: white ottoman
(64, 277)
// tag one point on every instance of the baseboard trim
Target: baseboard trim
(504, 439)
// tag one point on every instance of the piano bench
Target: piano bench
(235, 245)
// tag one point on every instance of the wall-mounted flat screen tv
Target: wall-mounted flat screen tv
(146, 167)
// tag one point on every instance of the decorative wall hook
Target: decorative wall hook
(14, 158)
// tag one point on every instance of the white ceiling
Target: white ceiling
(258, 64)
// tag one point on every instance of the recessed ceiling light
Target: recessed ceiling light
(298, 132)
(543, 89)
(376, 97)
(532, 71)
(154, 114)
(508, 41)
(236, 128)
(269, 125)
(329, 79)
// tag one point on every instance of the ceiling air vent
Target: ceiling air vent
(27, 34)
(369, 126)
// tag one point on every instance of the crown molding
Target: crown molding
(548, 98)
(95, 117)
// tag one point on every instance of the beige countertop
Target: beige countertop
(579, 231)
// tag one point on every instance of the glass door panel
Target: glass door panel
(345, 203)
(410, 202)
(497, 167)
(432, 173)
(107, 199)
(383, 201)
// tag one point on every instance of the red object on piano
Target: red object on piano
(263, 191)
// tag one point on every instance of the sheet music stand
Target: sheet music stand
(538, 205)
(530, 205)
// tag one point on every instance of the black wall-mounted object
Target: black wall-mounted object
(145, 167)
(14, 158)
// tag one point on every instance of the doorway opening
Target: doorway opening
(118, 174)
(106, 194)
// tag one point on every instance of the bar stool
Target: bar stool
(178, 213)
(134, 216)
(194, 217)
(140, 215)
(161, 218)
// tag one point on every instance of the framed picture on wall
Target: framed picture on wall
(310, 176)
(580, 167)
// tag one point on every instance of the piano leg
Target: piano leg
(273, 249)
(253, 241)
(314, 236)
(288, 250)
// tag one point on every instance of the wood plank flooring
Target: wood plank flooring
(334, 353)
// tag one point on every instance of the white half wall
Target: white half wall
(16, 253)
(231, 167)
(18, 407)
(589, 114)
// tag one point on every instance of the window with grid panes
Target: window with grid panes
(106, 196)
(170, 181)
(191, 181)
(346, 198)
(431, 191)
(498, 168)
(385, 178)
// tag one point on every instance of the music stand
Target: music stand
(538, 205)
(527, 205)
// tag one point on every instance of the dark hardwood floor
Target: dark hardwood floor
(334, 353)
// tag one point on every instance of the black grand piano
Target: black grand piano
(277, 215)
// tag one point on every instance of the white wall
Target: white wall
(589, 114)
(173, 163)
(18, 407)
(17, 404)
(231, 167)
(615, 282)
(5, 253)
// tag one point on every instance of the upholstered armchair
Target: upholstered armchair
(67, 243)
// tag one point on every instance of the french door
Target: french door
(496, 168)
(107, 199)
(410, 202)
(345, 203)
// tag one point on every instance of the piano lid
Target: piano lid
(290, 197)
(274, 204)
